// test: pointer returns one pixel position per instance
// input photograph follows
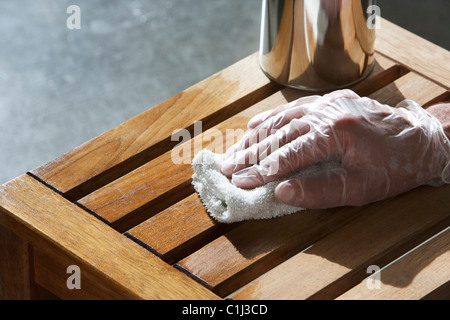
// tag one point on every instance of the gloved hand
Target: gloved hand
(367, 151)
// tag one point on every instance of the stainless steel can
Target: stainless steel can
(316, 45)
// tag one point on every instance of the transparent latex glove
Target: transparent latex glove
(366, 151)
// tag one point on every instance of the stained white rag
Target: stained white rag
(227, 203)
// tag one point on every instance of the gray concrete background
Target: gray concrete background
(61, 87)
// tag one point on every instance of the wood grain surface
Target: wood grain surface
(420, 274)
(59, 227)
(414, 52)
(121, 209)
(339, 261)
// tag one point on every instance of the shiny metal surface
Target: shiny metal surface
(316, 45)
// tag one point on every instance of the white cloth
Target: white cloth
(227, 203)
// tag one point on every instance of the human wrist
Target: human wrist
(441, 112)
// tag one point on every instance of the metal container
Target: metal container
(317, 45)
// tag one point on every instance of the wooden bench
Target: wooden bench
(119, 208)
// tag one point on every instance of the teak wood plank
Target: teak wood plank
(419, 274)
(132, 143)
(410, 86)
(137, 192)
(255, 247)
(179, 230)
(53, 224)
(414, 52)
(340, 260)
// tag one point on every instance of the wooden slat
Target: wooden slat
(419, 274)
(339, 261)
(254, 247)
(414, 52)
(53, 224)
(410, 86)
(178, 230)
(441, 293)
(143, 137)
(144, 191)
